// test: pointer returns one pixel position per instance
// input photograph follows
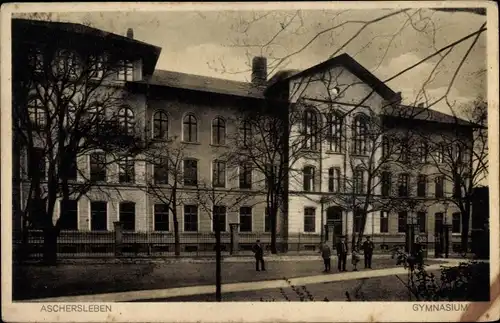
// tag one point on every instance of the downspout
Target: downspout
(321, 186)
(148, 215)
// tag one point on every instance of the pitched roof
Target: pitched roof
(50, 31)
(354, 67)
(425, 114)
(205, 84)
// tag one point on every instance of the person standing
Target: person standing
(355, 258)
(342, 254)
(326, 254)
(259, 256)
(368, 247)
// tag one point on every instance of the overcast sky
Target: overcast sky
(204, 43)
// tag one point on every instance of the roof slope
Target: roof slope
(205, 83)
(425, 114)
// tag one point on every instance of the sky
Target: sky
(216, 43)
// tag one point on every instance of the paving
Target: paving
(193, 279)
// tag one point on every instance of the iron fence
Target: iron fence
(77, 244)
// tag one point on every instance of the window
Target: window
(308, 179)
(218, 131)
(160, 171)
(359, 185)
(335, 132)
(36, 113)
(68, 218)
(126, 171)
(386, 183)
(127, 215)
(465, 154)
(309, 219)
(190, 172)
(96, 64)
(125, 71)
(270, 175)
(267, 220)
(421, 221)
(457, 185)
(386, 147)
(220, 213)
(190, 133)
(219, 173)
(310, 124)
(160, 125)
(439, 190)
(70, 115)
(161, 217)
(360, 132)
(126, 120)
(98, 167)
(191, 218)
(384, 222)
(403, 183)
(404, 155)
(245, 219)
(246, 175)
(334, 179)
(422, 152)
(98, 216)
(37, 163)
(246, 132)
(67, 166)
(36, 60)
(358, 221)
(421, 185)
(440, 151)
(402, 218)
(66, 64)
(456, 223)
(96, 117)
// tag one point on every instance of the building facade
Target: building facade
(337, 158)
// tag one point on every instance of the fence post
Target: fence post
(118, 238)
(234, 238)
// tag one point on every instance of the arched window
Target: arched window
(190, 124)
(218, 131)
(334, 131)
(126, 120)
(160, 125)
(360, 132)
(310, 129)
(359, 181)
(36, 113)
(308, 184)
(246, 132)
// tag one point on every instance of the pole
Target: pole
(218, 278)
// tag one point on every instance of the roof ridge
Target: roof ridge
(203, 76)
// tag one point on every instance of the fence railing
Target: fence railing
(75, 244)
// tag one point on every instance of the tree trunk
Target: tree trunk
(177, 244)
(273, 217)
(465, 230)
(218, 278)
(50, 245)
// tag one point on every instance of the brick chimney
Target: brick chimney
(130, 33)
(259, 70)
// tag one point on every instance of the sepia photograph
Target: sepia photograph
(182, 155)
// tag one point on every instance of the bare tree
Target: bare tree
(64, 108)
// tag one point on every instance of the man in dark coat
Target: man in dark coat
(342, 251)
(368, 247)
(326, 254)
(259, 256)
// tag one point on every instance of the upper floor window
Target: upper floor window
(66, 64)
(37, 163)
(359, 181)
(36, 113)
(386, 149)
(246, 175)
(403, 184)
(386, 183)
(126, 170)
(126, 120)
(97, 167)
(360, 135)
(125, 71)
(70, 115)
(160, 125)
(440, 153)
(308, 173)
(190, 172)
(160, 171)
(190, 131)
(246, 132)
(421, 185)
(68, 168)
(404, 153)
(219, 173)
(218, 131)
(334, 179)
(96, 66)
(310, 124)
(36, 60)
(422, 152)
(456, 222)
(271, 175)
(439, 186)
(335, 132)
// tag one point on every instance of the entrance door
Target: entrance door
(438, 235)
(334, 214)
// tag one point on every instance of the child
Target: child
(355, 258)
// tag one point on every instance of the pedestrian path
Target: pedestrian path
(236, 287)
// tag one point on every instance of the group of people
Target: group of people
(342, 251)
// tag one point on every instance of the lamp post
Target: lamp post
(446, 229)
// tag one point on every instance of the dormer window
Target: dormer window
(66, 64)
(36, 60)
(125, 71)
